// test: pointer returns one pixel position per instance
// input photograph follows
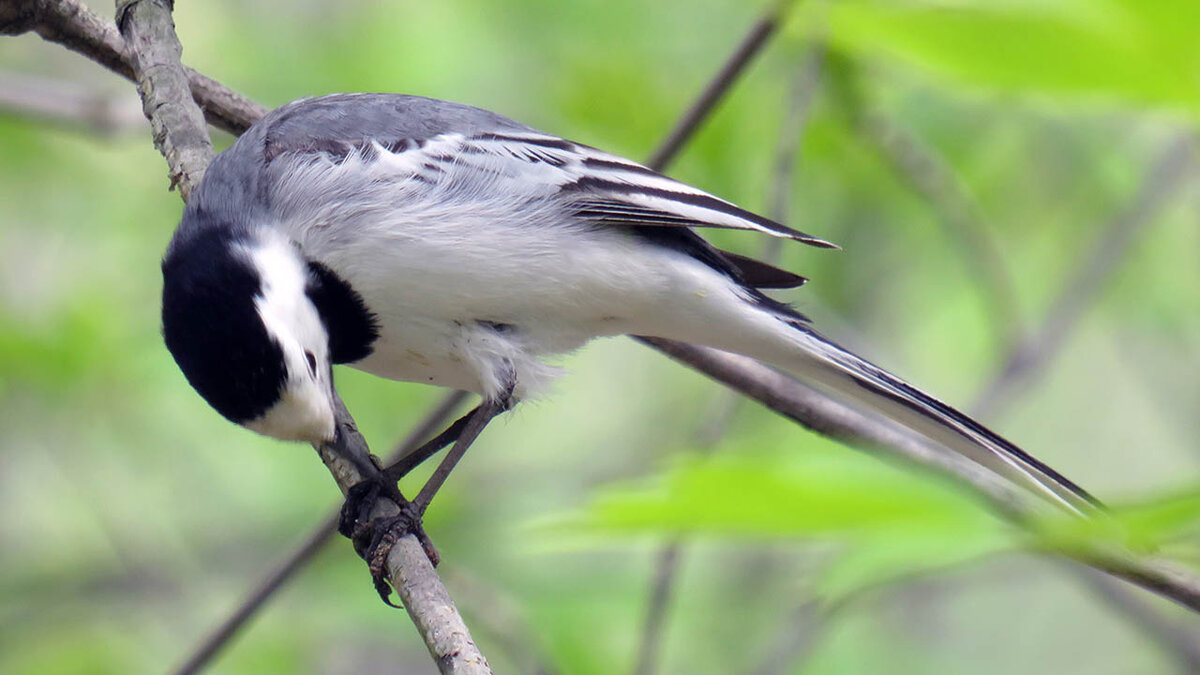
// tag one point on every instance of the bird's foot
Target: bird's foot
(373, 538)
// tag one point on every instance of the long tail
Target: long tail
(794, 346)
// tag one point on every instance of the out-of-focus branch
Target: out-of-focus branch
(71, 24)
(68, 104)
(1027, 359)
(715, 90)
(1165, 178)
(180, 135)
(499, 616)
(1181, 643)
(791, 134)
(917, 165)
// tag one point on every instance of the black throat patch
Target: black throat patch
(352, 328)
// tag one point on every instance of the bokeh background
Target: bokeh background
(971, 158)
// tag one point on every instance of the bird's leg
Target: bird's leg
(430, 448)
(373, 538)
(475, 422)
(362, 497)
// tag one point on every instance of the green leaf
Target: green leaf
(816, 496)
(1145, 527)
(1140, 52)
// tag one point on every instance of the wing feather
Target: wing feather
(613, 190)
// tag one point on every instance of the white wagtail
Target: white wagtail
(434, 242)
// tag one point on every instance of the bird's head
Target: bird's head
(256, 327)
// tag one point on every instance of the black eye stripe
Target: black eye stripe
(312, 363)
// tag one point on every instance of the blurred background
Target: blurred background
(1012, 182)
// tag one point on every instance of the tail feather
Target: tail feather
(867, 385)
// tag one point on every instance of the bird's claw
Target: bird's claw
(373, 539)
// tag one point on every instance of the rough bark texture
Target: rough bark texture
(178, 125)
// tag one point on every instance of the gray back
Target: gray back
(233, 193)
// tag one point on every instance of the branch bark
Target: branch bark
(71, 24)
(178, 125)
(416, 582)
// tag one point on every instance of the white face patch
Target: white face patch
(304, 411)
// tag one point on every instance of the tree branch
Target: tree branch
(1166, 177)
(178, 125)
(68, 104)
(71, 24)
(715, 90)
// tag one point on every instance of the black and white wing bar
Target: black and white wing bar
(609, 188)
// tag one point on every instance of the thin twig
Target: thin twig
(715, 90)
(298, 560)
(791, 134)
(1167, 176)
(928, 174)
(182, 138)
(69, 104)
(317, 540)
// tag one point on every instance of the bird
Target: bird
(428, 241)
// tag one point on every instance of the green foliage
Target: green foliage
(884, 522)
(1137, 52)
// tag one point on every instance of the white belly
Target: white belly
(439, 286)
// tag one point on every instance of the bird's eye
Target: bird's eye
(312, 363)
